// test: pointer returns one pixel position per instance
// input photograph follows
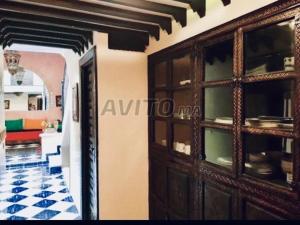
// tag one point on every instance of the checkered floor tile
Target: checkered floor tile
(34, 194)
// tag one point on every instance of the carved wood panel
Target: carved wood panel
(157, 210)
(178, 192)
(218, 203)
(158, 180)
(252, 211)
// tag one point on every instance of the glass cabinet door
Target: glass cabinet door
(218, 104)
(162, 104)
(270, 49)
(160, 75)
(218, 145)
(219, 61)
(160, 133)
(269, 104)
(182, 104)
(182, 138)
(269, 158)
(182, 71)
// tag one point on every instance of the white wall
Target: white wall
(17, 103)
(2, 118)
(123, 140)
(71, 146)
(216, 15)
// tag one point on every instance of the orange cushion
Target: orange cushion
(32, 124)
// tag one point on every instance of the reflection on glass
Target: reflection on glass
(28, 94)
(218, 146)
(219, 61)
(182, 139)
(181, 71)
(269, 158)
(161, 106)
(270, 49)
(269, 104)
(160, 129)
(160, 75)
(183, 105)
(218, 103)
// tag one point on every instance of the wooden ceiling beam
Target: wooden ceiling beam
(226, 2)
(179, 14)
(18, 15)
(84, 20)
(21, 30)
(7, 37)
(11, 41)
(198, 6)
(84, 35)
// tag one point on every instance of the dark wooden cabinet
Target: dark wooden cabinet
(218, 203)
(224, 121)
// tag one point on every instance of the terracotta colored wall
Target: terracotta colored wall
(50, 67)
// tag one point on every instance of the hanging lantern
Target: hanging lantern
(19, 75)
(12, 59)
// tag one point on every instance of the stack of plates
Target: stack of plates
(270, 122)
(224, 120)
(262, 170)
(225, 161)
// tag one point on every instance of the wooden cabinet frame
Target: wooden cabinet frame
(263, 192)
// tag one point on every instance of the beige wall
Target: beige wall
(123, 140)
(50, 68)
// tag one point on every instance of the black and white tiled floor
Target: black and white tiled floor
(34, 194)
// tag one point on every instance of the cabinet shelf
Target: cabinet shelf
(183, 87)
(286, 133)
(217, 83)
(181, 121)
(269, 76)
(210, 124)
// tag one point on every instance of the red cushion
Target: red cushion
(23, 136)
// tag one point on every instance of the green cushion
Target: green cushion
(14, 125)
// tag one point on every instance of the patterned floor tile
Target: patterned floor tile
(72, 209)
(19, 189)
(16, 218)
(65, 216)
(16, 198)
(14, 208)
(45, 203)
(34, 194)
(44, 194)
(46, 214)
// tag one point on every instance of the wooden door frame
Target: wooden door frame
(90, 58)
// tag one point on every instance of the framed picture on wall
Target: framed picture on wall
(58, 101)
(75, 103)
(7, 104)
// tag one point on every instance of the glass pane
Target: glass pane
(181, 71)
(219, 61)
(160, 129)
(218, 104)
(270, 49)
(161, 75)
(269, 104)
(218, 146)
(162, 106)
(182, 139)
(269, 158)
(182, 105)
